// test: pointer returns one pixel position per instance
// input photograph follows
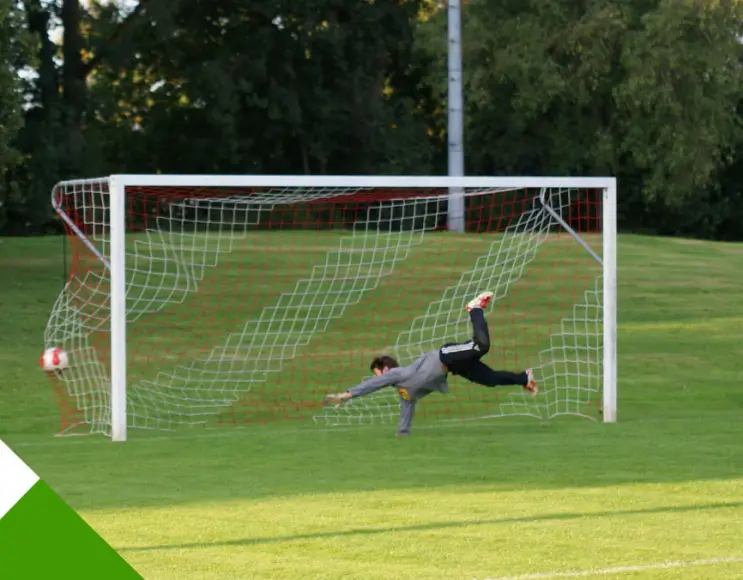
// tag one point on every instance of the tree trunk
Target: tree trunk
(38, 24)
(73, 88)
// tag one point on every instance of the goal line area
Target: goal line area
(233, 304)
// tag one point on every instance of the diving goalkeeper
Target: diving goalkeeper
(429, 372)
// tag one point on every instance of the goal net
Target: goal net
(246, 302)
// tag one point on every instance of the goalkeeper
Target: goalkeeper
(428, 373)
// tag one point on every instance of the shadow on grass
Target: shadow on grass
(433, 526)
(497, 456)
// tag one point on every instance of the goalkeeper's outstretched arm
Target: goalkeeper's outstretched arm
(388, 378)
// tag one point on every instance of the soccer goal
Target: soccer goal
(224, 300)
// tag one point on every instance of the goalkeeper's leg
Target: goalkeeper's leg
(482, 374)
(458, 356)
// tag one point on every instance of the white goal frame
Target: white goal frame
(116, 263)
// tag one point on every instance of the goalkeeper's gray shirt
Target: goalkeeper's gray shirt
(413, 382)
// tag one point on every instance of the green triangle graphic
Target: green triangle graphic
(42, 537)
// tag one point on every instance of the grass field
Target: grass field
(657, 495)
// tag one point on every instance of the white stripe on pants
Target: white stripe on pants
(459, 347)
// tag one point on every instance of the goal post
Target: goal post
(609, 275)
(117, 273)
(216, 300)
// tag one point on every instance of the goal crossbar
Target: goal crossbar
(355, 181)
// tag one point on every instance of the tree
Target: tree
(310, 86)
(11, 119)
(537, 75)
(647, 90)
(57, 140)
(678, 105)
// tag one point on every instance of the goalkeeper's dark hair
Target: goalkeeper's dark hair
(383, 361)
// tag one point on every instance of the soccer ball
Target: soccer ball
(54, 359)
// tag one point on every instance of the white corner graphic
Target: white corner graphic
(16, 478)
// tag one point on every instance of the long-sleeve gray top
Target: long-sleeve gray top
(418, 379)
(413, 382)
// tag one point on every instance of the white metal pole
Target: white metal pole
(610, 302)
(455, 116)
(117, 224)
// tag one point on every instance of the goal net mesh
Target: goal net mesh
(247, 305)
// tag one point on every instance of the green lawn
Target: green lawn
(657, 495)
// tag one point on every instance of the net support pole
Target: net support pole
(455, 214)
(117, 233)
(610, 302)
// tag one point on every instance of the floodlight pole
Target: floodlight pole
(456, 221)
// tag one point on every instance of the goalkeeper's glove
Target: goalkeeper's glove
(337, 399)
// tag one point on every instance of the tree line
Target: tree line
(646, 90)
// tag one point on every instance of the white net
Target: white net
(246, 305)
